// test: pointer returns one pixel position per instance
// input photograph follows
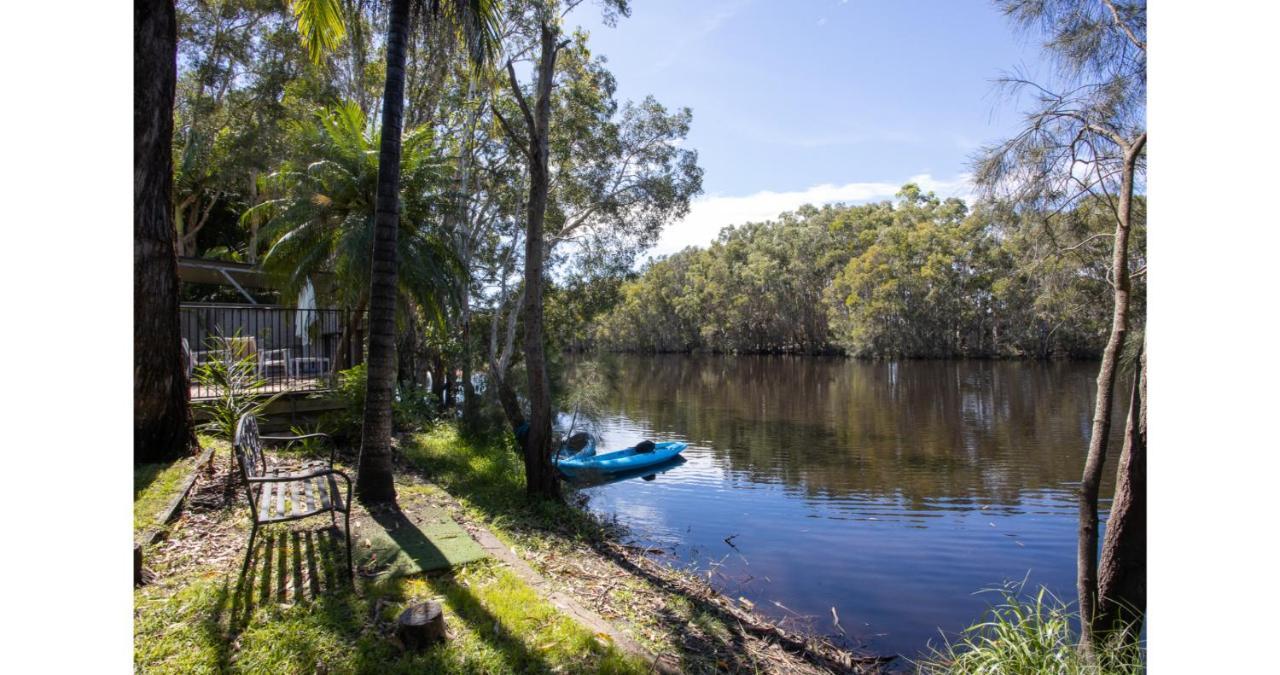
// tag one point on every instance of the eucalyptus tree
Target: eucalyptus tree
(162, 425)
(534, 142)
(916, 277)
(601, 185)
(618, 174)
(473, 22)
(1085, 138)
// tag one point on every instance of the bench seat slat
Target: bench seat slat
(280, 488)
(323, 488)
(264, 501)
(309, 486)
(296, 505)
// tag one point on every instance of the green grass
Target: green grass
(487, 475)
(1029, 636)
(201, 620)
(154, 485)
(497, 624)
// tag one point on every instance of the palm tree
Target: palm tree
(319, 22)
(323, 220)
(162, 427)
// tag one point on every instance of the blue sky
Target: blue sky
(817, 100)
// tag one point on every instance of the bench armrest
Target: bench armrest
(287, 477)
(293, 438)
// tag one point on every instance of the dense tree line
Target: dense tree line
(915, 277)
(399, 151)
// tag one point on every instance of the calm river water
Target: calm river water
(891, 492)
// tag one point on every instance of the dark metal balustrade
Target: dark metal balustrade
(290, 349)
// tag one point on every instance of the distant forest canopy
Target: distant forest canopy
(921, 277)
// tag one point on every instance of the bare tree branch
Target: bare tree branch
(515, 88)
(1115, 14)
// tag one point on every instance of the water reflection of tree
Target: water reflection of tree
(917, 431)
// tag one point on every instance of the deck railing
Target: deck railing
(291, 349)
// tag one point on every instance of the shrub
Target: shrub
(345, 422)
(411, 410)
(235, 384)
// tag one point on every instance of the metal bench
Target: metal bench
(277, 494)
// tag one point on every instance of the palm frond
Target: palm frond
(320, 24)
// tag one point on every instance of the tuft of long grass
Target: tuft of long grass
(1029, 635)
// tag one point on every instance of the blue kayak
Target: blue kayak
(627, 459)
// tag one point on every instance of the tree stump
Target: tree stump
(421, 625)
(137, 564)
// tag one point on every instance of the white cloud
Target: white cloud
(707, 215)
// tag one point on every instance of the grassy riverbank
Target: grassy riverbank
(296, 612)
(667, 610)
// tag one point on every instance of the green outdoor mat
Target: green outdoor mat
(422, 539)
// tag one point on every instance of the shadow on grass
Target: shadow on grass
(295, 608)
(469, 608)
(289, 567)
(144, 475)
(485, 469)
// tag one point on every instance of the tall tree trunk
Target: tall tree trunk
(470, 404)
(162, 426)
(1087, 545)
(1122, 574)
(374, 480)
(541, 479)
(251, 255)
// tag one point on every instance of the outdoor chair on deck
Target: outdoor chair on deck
(273, 362)
(277, 494)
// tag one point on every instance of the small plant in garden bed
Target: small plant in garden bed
(236, 385)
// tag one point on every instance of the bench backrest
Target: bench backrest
(248, 449)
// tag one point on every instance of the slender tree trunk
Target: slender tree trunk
(162, 426)
(509, 402)
(251, 256)
(439, 378)
(407, 350)
(470, 404)
(461, 226)
(541, 479)
(1122, 574)
(342, 360)
(500, 384)
(1087, 545)
(374, 480)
